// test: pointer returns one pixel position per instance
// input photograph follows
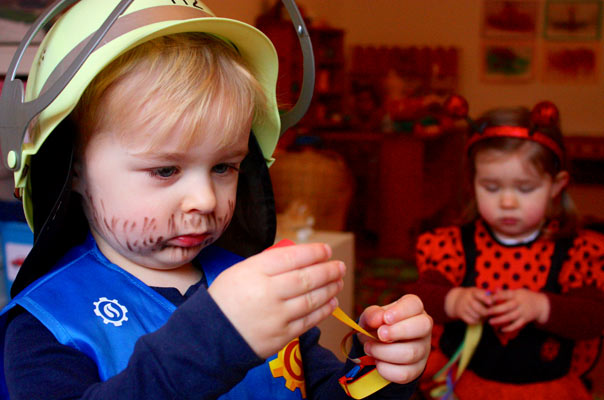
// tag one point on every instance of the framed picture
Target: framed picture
(570, 63)
(510, 19)
(508, 62)
(573, 20)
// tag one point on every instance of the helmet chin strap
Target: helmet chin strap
(16, 114)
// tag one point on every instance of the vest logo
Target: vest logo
(288, 365)
(110, 311)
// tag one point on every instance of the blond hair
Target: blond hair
(193, 80)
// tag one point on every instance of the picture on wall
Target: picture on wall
(571, 63)
(509, 19)
(507, 62)
(573, 20)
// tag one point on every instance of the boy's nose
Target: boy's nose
(199, 197)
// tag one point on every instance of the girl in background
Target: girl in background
(520, 266)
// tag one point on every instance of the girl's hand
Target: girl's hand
(279, 294)
(516, 308)
(405, 331)
(469, 304)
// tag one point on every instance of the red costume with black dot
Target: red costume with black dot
(537, 360)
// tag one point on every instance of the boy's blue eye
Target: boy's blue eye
(224, 168)
(164, 172)
(491, 188)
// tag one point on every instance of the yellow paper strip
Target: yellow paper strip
(341, 315)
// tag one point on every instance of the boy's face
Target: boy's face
(158, 208)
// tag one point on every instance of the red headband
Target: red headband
(516, 132)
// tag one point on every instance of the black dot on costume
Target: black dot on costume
(448, 268)
(454, 240)
(496, 276)
(506, 265)
(544, 248)
(498, 254)
(481, 234)
(516, 277)
(505, 286)
(577, 265)
(420, 252)
(595, 247)
(428, 241)
(537, 256)
(527, 267)
(542, 268)
(489, 244)
(485, 285)
(441, 243)
(460, 267)
(535, 278)
(572, 278)
(517, 255)
(586, 255)
(446, 256)
(487, 264)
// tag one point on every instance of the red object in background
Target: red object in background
(456, 107)
(282, 243)
(545, 113)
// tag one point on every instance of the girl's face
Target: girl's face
(157, 208)
(512, 195)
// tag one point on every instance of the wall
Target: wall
(448, 23)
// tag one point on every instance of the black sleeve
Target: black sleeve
(196, 354)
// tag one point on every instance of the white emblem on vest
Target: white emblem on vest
(110, 311)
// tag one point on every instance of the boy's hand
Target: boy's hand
(279, 294)
(469, 304)
(516, 308)
(405, 331)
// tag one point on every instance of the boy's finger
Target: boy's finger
(308, 303)
(407, 306)
(282, 259)
(416, 327)
(398, 353)
(306, 321)
(303, 280)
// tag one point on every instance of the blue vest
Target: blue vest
(121, 308)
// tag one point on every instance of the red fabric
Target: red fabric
(472, 387)
(575, 313)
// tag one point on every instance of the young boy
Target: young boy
(124, 294)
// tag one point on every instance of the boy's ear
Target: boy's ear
(561, 181)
